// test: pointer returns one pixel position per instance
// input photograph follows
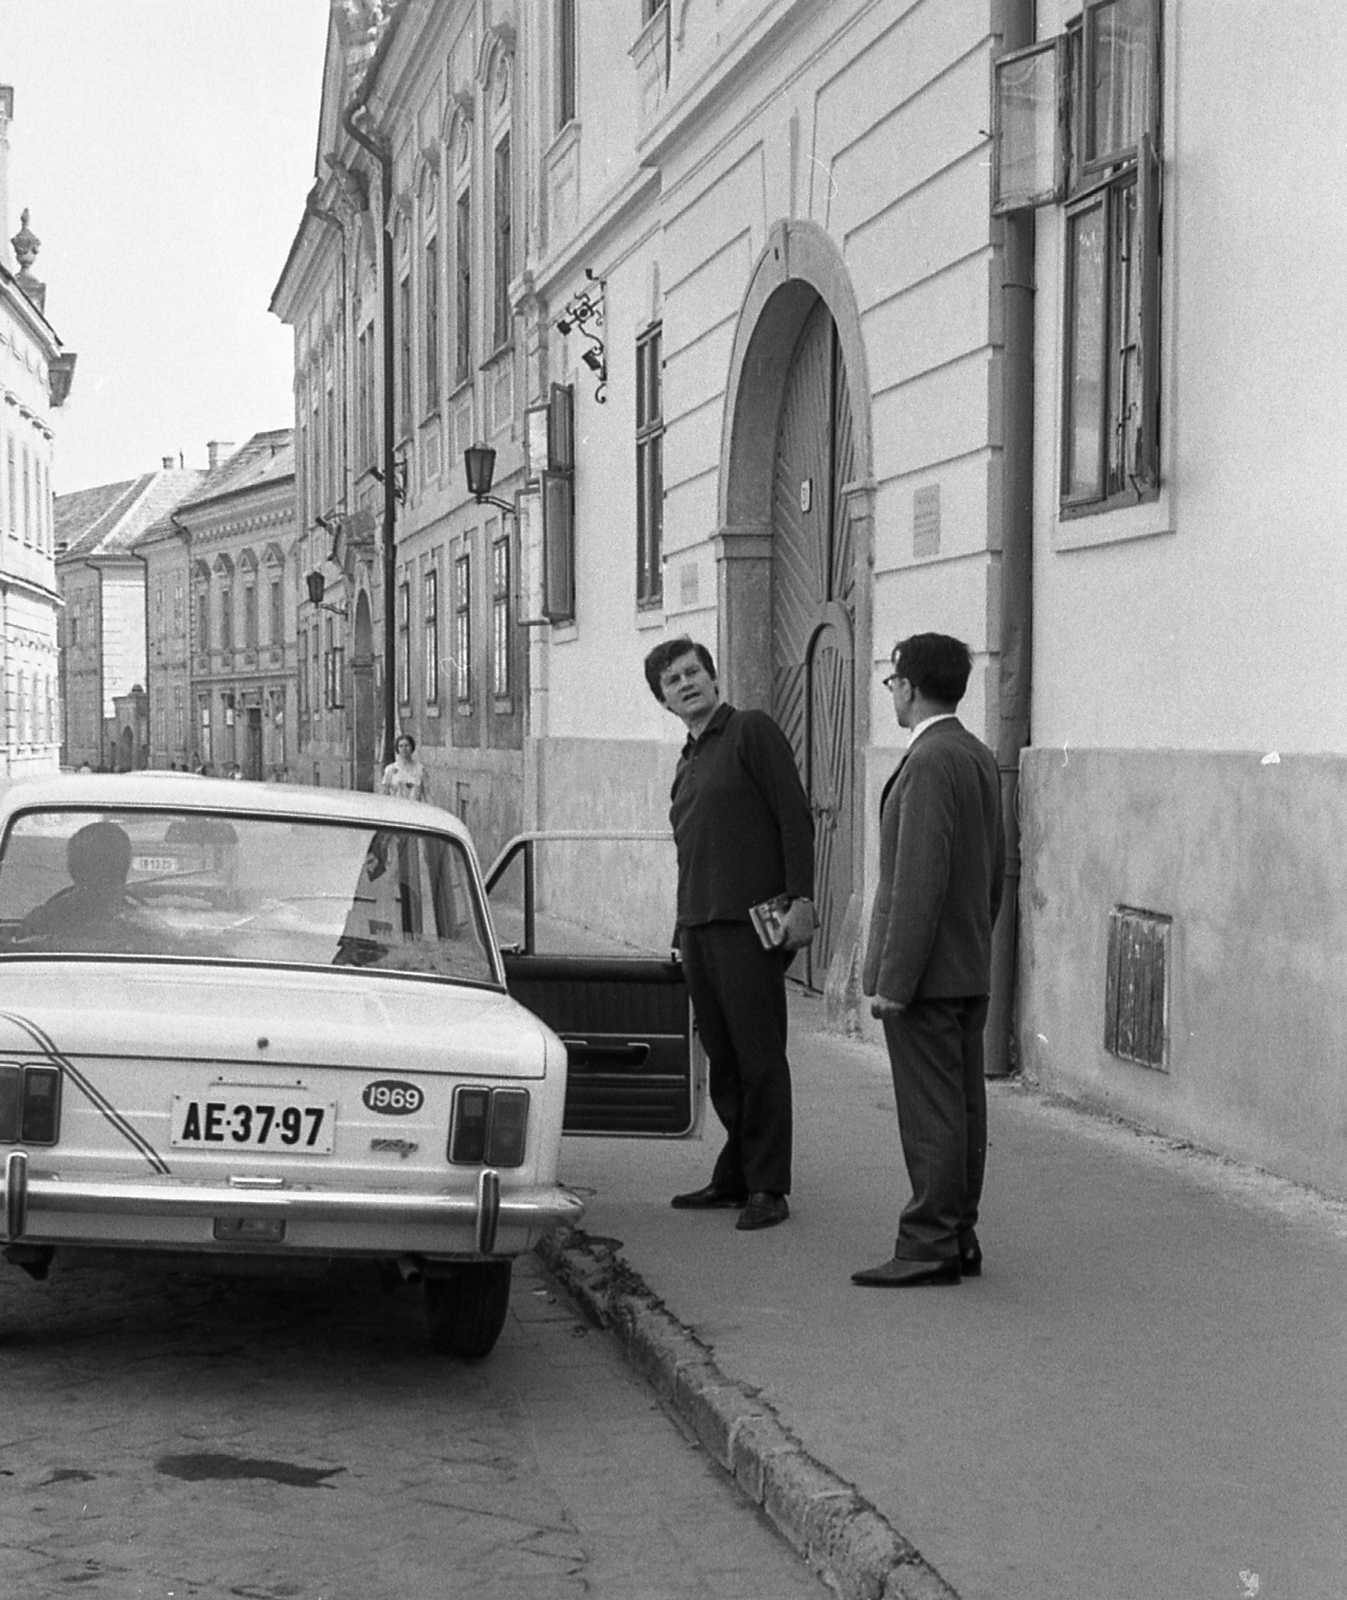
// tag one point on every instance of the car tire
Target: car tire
(466, 1311)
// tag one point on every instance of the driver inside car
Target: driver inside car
(91, 911)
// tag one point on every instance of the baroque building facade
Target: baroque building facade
(222, 586)
(800, 328)
(35, 377)
(399, 288)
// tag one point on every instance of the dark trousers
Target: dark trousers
(935, 1052)
(738, 993)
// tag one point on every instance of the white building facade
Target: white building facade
(800, 328)
(1185, 799)
(35, 375)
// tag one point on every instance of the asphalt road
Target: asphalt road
(175, 1436)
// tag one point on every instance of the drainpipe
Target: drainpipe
(378, 149)
(1017, 543)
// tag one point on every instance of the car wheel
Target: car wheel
(466, 1311)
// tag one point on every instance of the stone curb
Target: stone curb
(836, 1531)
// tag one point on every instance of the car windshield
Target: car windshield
(212, 886)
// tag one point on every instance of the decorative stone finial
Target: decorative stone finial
(26, 244)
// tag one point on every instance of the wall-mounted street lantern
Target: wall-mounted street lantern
(315, 583)
(479, 462)
(584, 314)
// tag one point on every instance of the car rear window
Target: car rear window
(211, 886)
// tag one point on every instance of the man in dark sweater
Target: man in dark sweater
(745, 835)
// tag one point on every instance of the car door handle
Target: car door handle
(590, 1052)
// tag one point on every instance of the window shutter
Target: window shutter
(558, 496)
(558, 503)
(561, 428)
(1146, 440)
(1029, 104)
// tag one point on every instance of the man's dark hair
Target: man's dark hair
(99, 856)
(663, 656)
(935, 665)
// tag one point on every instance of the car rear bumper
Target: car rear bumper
(49, 1210)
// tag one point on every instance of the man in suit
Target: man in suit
(928, 959)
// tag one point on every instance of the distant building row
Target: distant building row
(180, 593)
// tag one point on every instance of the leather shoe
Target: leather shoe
(970, 1256)
(899, 1273)
(708, 1198)
(763, 1211)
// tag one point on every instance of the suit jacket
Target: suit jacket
(941, 861)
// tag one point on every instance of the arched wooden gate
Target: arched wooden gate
(813, 611)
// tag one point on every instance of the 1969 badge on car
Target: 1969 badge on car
(263, 1022)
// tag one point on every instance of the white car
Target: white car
(261, 1021)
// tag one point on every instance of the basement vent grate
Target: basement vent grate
(1136, 987)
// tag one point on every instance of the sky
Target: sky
(164, 149)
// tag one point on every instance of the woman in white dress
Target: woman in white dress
(405, 776)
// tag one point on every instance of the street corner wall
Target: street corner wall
(1249, 857)
(624, 890)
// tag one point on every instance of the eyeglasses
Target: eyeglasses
(890, 680)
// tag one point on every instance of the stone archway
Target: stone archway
(800, 273)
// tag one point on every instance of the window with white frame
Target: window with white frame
(404, 643)
(463, 630)
(430, 626)
(500, 616)
(565, 62)
(649, 469)
(463, 286)
(332, 479)
(503, 255)
(335, 660)
(430, 307)
(404, 355)
(1078, 123)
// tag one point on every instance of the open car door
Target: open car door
(635, 1067)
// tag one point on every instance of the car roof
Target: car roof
(186, 791)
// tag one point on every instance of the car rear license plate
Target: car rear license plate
(154, 863)
(288, 1123)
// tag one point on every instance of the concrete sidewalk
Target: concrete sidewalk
(1145, 1394)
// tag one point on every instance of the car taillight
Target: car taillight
(30, 1105)
(509, 1122)
(490, 1127)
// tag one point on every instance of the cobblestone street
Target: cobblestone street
(185, 1438)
